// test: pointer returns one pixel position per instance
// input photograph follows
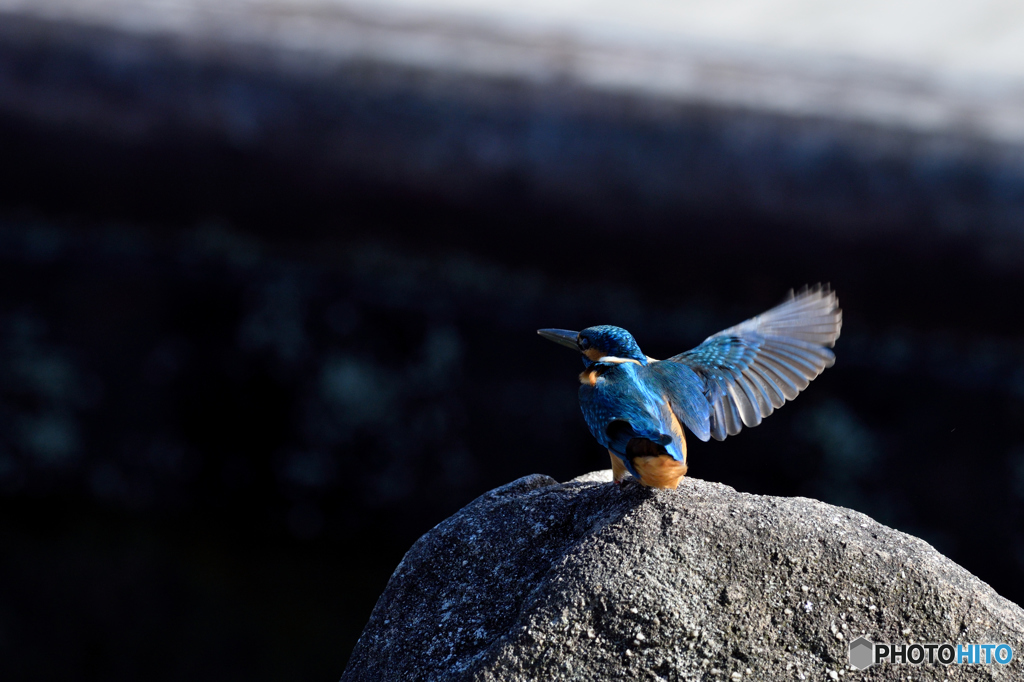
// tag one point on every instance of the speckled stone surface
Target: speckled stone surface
(586, 581)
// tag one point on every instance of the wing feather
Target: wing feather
(801, 363)
(793, 380)
(717, 425)
(776, 395)
(732, 418)
(746, 404)
(753, 368)
(760, 392)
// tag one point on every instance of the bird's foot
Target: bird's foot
(627, 483)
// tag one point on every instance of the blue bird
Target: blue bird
(636, 406)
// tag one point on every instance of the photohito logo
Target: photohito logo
(864, 653)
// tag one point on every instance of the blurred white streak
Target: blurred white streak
(930, 66)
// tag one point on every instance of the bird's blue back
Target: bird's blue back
(645, 397)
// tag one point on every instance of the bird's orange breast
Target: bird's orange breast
(660, 471)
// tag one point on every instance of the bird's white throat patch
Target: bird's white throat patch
(613, 360)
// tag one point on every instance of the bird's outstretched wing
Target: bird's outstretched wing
(753, 368)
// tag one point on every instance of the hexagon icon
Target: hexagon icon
(862, 653)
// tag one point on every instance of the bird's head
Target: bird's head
(603, 344)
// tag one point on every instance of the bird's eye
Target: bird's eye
(583, 343)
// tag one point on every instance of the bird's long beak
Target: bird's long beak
(562, 336)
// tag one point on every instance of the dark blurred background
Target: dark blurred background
(270, 276)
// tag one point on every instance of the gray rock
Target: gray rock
(589, 581)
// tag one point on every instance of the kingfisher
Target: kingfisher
(636, 406)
